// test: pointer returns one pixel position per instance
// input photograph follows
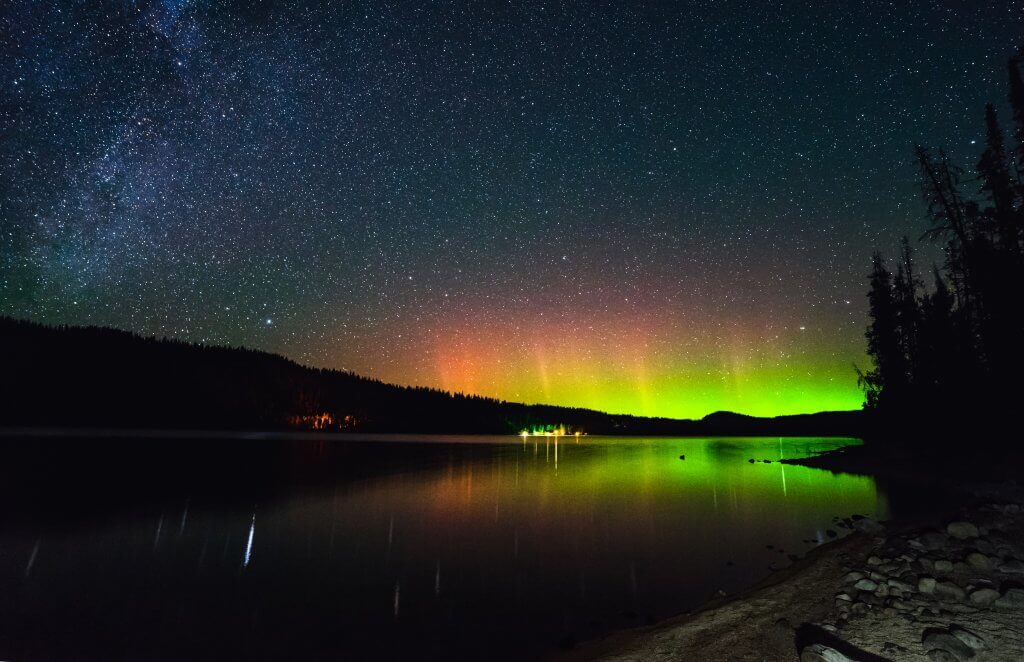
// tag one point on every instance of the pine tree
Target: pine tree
(1016, 95)
(997, 184)
(905, 288)
(885, 384)
(940, 344)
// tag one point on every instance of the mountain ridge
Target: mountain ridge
(91, 376)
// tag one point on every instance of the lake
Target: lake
(329, 547)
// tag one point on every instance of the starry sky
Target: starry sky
(660, 208)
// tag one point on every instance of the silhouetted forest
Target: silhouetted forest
(947, 345)
(99, 377)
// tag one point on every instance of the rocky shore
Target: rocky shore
(946, 590)
(942, 594)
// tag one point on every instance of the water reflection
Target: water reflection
(449, 550)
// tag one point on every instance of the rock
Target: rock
(822, 653)
(933, 540)
(961, 568)
(844, 596)
(949, 591)
(874, 560)
(1012, 567)
(984, 597)
(970, 639)
(979, 562)
(830, 533)
(852, 577)
(751, 460)
(1013, 598)
(868, 598)
(942, 565)
(865, 585)
(682, 457)
(909, 578)
(962, 530)
(939, 655)
(944, 641)
(900, 586)
(984, 546)
(867, 525)
(926, 585)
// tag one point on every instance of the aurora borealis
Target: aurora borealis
(659, 208)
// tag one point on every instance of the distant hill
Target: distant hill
(101, 377)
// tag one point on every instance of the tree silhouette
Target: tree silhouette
(956, 346)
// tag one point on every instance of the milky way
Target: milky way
(656, 208)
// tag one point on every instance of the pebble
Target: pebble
(1012, 567)
(942, 565)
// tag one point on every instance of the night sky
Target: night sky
(656, 208)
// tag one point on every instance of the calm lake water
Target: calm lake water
(481, 548)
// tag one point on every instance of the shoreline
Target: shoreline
(947, 585)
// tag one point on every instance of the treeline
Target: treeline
(100, 377)
(947, 347)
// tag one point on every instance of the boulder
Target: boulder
(962, 530)
(969, 639)
(949, 591)
(926, 585)
(865, 585)
(944, 641)
(822, 653)
(933, 540)
(978, 561)
(900, 585)
(868, 526)
(1013, 598)
(984, 597)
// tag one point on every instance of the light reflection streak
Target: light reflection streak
(248, 545)
(32, 557)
